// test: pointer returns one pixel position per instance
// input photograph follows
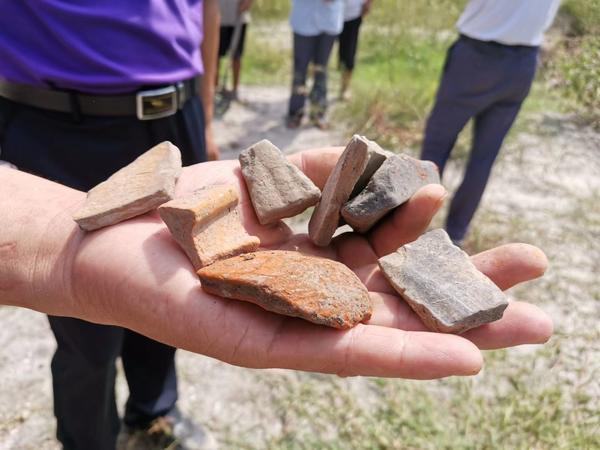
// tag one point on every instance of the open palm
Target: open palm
(134, 275)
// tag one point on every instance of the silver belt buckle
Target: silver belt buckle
(156, 103)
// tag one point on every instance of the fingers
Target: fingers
(522, 323)
(511, 264)
(409, 221)
(354, 250)
(371, 351)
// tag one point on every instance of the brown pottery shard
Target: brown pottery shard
(277, 188)
(441, 284)
(207, 226)
(337, 190)
(137, 188)
(398, 178)
(315, 289)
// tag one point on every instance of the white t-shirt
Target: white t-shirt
(229, 13)
(313, 17)
(352, 9)
(511, 22)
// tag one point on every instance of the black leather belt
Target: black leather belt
(145, 104)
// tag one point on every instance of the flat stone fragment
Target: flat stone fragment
(319, 290)
(376, 156)
(137, 188)
(441, 284)
(207, 226)
(326, 216)
(277, 188)
(398, 178)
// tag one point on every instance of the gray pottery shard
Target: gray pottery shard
(277, 188)
(441, 284)
(398, 178)
(319, 290)
(137, 188)
(375, 158)
(326, 216)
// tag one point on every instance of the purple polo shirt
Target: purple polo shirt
(100, 46)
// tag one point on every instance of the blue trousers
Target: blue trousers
(80, 152)
(488, 82)
(307, 49)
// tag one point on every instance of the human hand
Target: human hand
(245, 5)
(366, 7)
(134, 275)
(212, 149)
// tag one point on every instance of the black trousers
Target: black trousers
(348, 43)
(80, 152)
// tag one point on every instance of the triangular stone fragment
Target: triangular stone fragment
(137, 188)
(207, 226)
(319, 290)
(375, 158)
(441, 284)
(398, 178)
(326, 216)
(277, 188)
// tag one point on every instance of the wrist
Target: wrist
(37, 243)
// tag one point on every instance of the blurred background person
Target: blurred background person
(235, 15)
(487, 75)
(315, 25)
(354, 11)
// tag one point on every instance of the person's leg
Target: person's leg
(454, 105)
(318, 94)
(149, 397)
(225, 34)
(237, 60)
(83, 381)
(517, 69)
(303, 51)
(348, 44)
(491, 126)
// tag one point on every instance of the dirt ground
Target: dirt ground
(544, 190)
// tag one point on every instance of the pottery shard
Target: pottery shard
(277, 188)
(137, 188)
(315, 289)
(398, 178)
(326, 216)
(441, 284)
(207, 226)
(376, 156)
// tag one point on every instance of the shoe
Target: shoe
(320, 123)
(170, 432)
(293, 122)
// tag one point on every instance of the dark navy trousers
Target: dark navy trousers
(488, 82)
(307, 49)
(80, 152)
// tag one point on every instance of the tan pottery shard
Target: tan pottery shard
(277, 188)
(316, 289)
(337, 190)
(137, 188)
(207, 226)
(395, 182)
(441, 284)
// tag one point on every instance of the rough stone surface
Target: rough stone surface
(137, 188)
(441, 284)
(398, 178)
(207, 226)
(375, 158)
(326, 216)
(277, 188)
(316, 289)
